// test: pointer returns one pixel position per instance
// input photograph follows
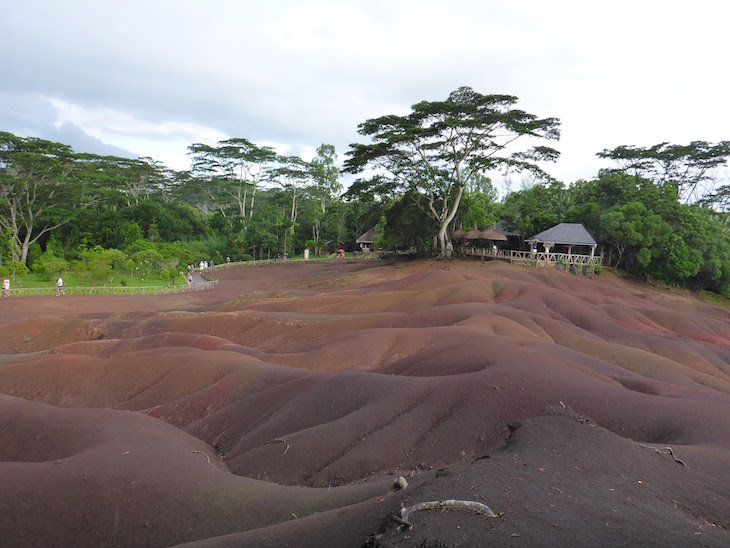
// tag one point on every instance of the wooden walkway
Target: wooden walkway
(538, 259)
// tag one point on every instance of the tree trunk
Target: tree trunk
(447, 249)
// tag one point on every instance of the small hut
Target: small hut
(563, 238)
(458, 234)
(474, 234)
(493, 235)
(514, 240)
(366, 240)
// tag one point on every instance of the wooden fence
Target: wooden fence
(527, 257)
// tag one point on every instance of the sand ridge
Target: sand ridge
(333, 378)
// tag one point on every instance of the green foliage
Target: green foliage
(99, 265)
(477, 209)
(326, 176)
(685, 168)
(11, 267)
(96, 211)
(535, 209)
(433, 153)
(404, 226)
(631, 226)
(166, 222)
(49, 267)
(34, 253)
(147, 261)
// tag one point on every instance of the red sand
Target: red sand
(278, 409)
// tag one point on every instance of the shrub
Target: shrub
(48, 267)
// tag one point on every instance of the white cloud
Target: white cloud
(154, 77)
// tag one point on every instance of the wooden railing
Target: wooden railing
(528, 257)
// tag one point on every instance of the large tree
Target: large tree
(292, 175)
(690, 168)
(432, 153)
(235, 168)
(327, 187)
(42, 186)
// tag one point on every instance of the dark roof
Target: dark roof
(500, 226)
(566, 233)
(367, 238)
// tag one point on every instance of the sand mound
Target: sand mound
(308, 387)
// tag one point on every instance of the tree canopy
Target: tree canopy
(690, 168)
(432, 153)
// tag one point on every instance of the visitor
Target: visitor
(211, 264)
(6, 287)
(59, 287)
(228, 260)
(190, 279)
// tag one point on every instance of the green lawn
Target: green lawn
(71, 279)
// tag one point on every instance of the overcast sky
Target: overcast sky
(152, 77)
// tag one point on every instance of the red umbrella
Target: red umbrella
(340, 250)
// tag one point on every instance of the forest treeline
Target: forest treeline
(660, 211)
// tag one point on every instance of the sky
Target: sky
(149, 78)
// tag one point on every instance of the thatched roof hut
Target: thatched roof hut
(494, 235)
(458, 234)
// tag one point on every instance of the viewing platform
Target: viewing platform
(538, 259)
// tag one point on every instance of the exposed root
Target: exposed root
(206, 456)
(465, 505)
(402, 524)
(664, 451)
(275, 440)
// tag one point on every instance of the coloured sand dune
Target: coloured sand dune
(279, 408)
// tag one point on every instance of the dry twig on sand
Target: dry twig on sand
(466, 505)
(275, 440)
(664, 451)
(206, 456)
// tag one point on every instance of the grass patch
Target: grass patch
(715, 298)
(70, 279)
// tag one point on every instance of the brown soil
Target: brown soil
(278, 409)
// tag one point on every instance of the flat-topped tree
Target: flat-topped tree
(43, 185)
(691, 168)
(433, 152)
(234, 167)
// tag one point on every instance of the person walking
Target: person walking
(6, 287)
(59, 287)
